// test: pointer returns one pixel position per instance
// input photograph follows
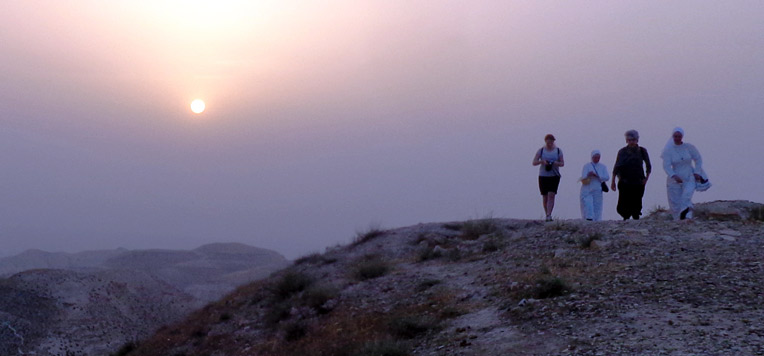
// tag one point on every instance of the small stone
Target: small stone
(708, 235)
(730, 232)
(601, 243)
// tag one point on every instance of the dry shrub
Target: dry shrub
(411, 326)
(315, 259)
(473, 229)
(317, 295)
(369, 267)
(428, 253)
(290, 283)
(354, 332)
(550, 287)
(492, 245)
(342, 333)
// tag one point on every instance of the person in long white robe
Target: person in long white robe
(684, 166)
(592, 176)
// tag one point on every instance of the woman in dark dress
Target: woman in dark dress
(632, 178)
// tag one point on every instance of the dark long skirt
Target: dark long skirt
(630, 200)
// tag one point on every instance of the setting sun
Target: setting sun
(197, 106)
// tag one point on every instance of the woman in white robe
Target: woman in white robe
(592, 176)
(684, 169)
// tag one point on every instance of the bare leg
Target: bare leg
(545, 200)
(550, 203)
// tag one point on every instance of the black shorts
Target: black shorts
(548, 184)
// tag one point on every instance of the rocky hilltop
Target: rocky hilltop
(504, 287)
(92, 303)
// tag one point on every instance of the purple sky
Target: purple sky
(324, 117)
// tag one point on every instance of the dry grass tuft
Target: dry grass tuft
(371, 233)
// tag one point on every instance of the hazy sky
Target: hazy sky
(324, 117)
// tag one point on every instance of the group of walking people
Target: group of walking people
(681, 162)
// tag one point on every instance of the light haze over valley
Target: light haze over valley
(324, 117)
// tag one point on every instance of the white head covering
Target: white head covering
(669, 147)
(595, 152)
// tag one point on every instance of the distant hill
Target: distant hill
(504, 287)
(206, 272)
(38, 259)
(58, 312)
(93, 302)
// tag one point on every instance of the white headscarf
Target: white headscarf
(669, 147)
(595, 152)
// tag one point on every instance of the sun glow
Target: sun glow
(197, 106)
